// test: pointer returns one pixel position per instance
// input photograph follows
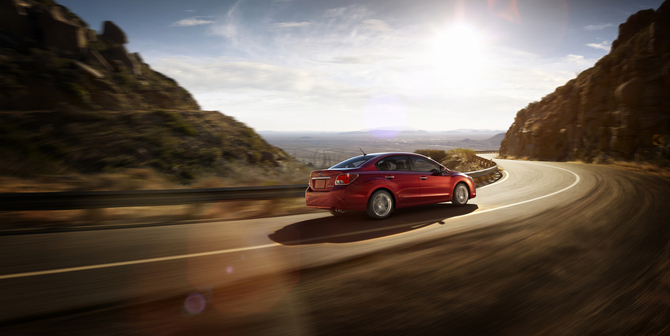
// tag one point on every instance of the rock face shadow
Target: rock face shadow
(358, 227)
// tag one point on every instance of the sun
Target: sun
(458, 51)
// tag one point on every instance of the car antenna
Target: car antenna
(362, 152)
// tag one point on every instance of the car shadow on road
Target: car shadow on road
(357, 226)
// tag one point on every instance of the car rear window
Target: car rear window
(353, 162)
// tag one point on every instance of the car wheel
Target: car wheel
(380, 204)
(337, 212)
(461, 195)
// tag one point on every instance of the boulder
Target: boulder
(269, 157)
(117, 65)
(119, 53)
(57, 30)
(138, 57)
(95, 74)
(112, 34)
(91, 35)
(14, 18)
(96, 58)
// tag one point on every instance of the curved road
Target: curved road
(47, 273)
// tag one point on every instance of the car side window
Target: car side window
(394, 163)
(353, 162)
(425, 165)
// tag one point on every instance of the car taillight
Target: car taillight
(344, 179)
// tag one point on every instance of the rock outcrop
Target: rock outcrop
(112, 34)
(74, 101)
(48, 54)
(618, 109)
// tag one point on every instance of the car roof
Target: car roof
(395, 153)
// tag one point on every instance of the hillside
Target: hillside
(617, 110)
(184, 144)
(76, 101)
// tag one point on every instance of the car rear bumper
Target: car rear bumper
(338, 197)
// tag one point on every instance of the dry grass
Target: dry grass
(661, 169)
(643, 167)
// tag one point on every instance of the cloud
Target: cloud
(579, 59)
(222, 75)
(264, 95)
(335, 12)
(378, 25)
(362, 59)
(290, 24)
(604, 45)
(189, 10)
(274, 76)
(194, 21)
(229, 27)
(598, 27)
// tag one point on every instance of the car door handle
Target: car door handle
(424, 178)
(390, 177)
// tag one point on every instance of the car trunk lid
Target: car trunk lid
(323, 180)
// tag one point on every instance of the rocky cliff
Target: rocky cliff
(50, 58)
(73, 100)
(618, 109)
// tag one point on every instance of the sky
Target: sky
(324, 65)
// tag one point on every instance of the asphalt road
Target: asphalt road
(58, 272)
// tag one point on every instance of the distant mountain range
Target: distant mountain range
(406, 131)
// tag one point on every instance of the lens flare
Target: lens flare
(507, 10)
(385, 116)
(195, 304)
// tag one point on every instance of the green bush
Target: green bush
(435, 154)
(468, 153)
(441, 155)
(177, 123)
(82, 94)
(38, 156)
(126, 79)
(209, 155)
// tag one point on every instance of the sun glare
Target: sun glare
(458, 53)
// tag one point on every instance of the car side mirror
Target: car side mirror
(444, 171)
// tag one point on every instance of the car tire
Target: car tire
(461, 195)
(337, 212)
(380, 204)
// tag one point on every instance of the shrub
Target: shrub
(468, 153)
(82, 94)
(177, 123)
(435, 154)
(209, 155)
(127, 79)
(442, 156)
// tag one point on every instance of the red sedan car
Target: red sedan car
(380, 182)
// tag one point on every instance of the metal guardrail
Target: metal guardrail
(133, 198)
(123, 198)
(483, 172)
